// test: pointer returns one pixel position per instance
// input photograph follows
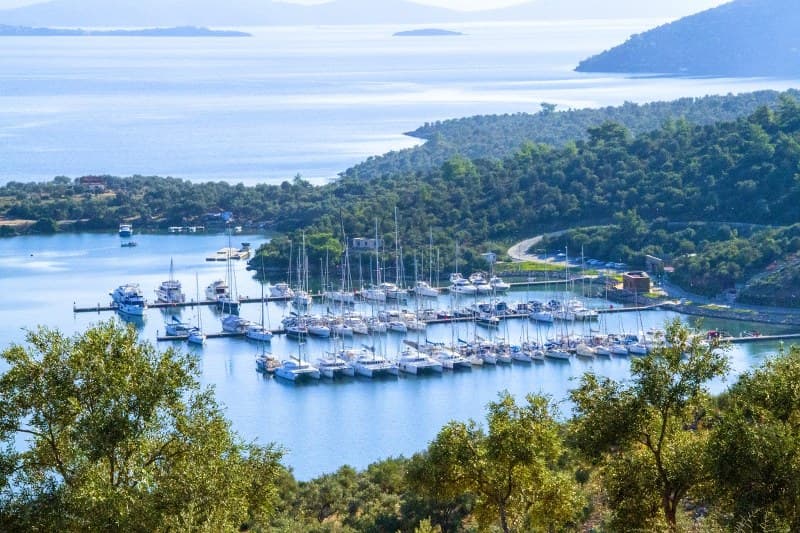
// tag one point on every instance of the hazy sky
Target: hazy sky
(453, 4)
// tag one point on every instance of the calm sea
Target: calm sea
(322, 425)
(289, 100)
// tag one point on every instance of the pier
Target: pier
(218, 335)
(168, 305)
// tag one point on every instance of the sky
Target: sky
(466, 5)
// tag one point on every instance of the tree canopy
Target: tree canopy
(120, 437)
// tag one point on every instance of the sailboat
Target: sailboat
(195, 334)
(170, 290)
(296, 368)
(228, 301)
(259, 332)
(301, 298)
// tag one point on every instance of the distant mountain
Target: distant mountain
(139, 13)
(178, 31)
(426, 32)
(743, 38)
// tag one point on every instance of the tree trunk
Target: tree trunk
(504, 519)
(670, 511)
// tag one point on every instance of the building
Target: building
(654, 264)
(93, 183)
(361, 243)
(636, 282)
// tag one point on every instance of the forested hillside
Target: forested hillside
(499, 136)
(742, 38)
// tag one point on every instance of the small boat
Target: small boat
(266, 364)
(128, 244)
(196, 336)
(176, 328)
(125, 230)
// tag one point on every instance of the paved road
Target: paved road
(518, 252)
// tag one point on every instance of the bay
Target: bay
(308, 100)
(322, 425)
(289, 100)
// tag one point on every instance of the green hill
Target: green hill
(499, 136)
(742, 38)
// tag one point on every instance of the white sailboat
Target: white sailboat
(195, 334)
(259, 332)
(169, 291)
(297, 369)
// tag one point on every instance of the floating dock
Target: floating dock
(218, 335)
(166, 305)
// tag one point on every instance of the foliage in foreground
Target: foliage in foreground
(122, 438)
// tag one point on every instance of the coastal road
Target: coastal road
(519, 252)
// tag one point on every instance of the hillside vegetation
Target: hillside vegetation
(499, 136)
(742, 38)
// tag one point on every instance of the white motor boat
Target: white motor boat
(128, 299)
(281, 290)
(479, 282)
(257, 332)
(216, 289)
(460, 285)
(423, 288)
(498, 285)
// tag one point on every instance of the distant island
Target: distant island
(743, 38)
(427, 32)
(178, 31)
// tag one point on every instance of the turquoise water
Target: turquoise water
(322, 425)
(308, 100)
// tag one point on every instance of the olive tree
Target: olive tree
(104, 432)
(649, 434)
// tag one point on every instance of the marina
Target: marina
(268, 409)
